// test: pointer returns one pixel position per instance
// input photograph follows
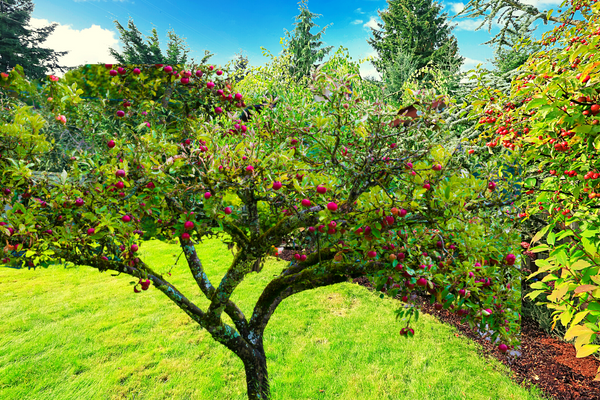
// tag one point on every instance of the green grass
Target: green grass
(78, 334)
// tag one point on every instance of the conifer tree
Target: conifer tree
(305, 47)
(513, 16)
(19, 43)
(240, 64)
(138, 51)
(415, 28)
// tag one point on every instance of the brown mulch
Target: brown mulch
(545, 361)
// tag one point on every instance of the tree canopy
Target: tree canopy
(20, 44)
(136, 51)
(417, 30)
(305, 47)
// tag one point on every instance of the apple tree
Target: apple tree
(550, 119)
(358, 197)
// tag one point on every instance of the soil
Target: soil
(545, 361)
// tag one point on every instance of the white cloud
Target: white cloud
(470, 63)
(358, 10)
(357, 21)
(456, 7)
(367, 68)
(469, 24)
(85, 46)
(539, 3)
(372, 23)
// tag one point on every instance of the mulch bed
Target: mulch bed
(545, 361)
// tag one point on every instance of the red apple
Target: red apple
(277, 185)
(126, 218)
(332, 206)
(188, 225)
(321, 189)
(227, 210)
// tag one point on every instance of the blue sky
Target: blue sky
(87, 30)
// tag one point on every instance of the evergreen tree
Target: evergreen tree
(19, 44)
(518, 50)
(138, 51)
(415, 28)
(305, 47)
(397, 72)
(240, 64)
(513, 16)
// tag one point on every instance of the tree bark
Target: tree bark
(257, 378)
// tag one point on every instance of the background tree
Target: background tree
(397, 72)
(416, 29)
(19, 44)
(303, 45)
(240, 64)
(512, 15)
(136, 51)
(514, 54)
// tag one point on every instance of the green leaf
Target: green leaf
(551, 238)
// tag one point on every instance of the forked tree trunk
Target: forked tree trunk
(257, 378)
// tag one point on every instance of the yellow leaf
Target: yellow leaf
(577, 330)
(579, 317)
(580, 264)
(559, 292)
(583, 339)
(586, 350)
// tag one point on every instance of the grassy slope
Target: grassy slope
(78, 334)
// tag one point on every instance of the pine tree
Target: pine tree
(240, 64)
(138, 51)
(19, 44)
(415, 28)
(305, 47)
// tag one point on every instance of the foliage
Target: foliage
(514, 17)
(356, 196)
(417, 30)
(239, 68)
(549, 119)
(518, 52)
(20, 44)
(303, 46)
(136, 51)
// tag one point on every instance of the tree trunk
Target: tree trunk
(257, 378)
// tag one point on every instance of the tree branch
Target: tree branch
(231, 309)
(286, 285)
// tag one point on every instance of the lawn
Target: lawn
(73, 333)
